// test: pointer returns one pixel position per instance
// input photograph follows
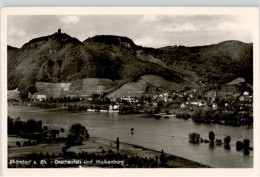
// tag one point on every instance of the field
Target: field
(96, 146)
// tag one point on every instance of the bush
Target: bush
(218, 142)
(246, 143)
(227, 141)
(194, 138)
(239, 145)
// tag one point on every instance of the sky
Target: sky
(145, 30)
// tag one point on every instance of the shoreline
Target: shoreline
(178, 113)
(179, 162)
(96, 145)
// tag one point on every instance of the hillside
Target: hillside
(216, 63)
(145, 84)
(60, 58)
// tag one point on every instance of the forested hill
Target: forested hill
(217, 63)
(60, 57)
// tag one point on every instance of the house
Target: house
(183, 105)
(241, 98)
(114, 107)
(246, 93)
(199, 103)
(214, 105)
(41, 97)
(195, 103)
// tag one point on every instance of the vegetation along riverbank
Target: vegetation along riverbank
(30, 141)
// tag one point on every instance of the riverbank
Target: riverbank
(204, 115)
(99, 146)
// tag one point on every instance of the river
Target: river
(171, 135)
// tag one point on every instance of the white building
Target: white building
(41, 97)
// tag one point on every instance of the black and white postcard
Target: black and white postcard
(85, 90)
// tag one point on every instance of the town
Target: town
(232, 104)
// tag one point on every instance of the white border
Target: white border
(128, 11)
(80, 3)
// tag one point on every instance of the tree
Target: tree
(18, 125)
(11, 129)
(162, 159)
(227, 140)
(194, 138)
(32, 89)
(54, 134)
(23, 90)
(211, 138)
(197, 116)
(246, 143)
(117, 143)
(156, 160)
(77, 134)
(239, 145)
(47, 155)
(45, 128)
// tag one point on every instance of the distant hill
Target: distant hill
(60, 58)
(111, 40)
(10, 48)
(217, 63)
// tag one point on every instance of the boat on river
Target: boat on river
(163, 115)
